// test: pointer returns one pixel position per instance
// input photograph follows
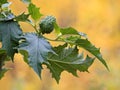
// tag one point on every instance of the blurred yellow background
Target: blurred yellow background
(100, 20)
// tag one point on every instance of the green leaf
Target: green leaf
(0, 37)
(3, 2)
(25, 53)
(5, 7)
(26, 1)
(87, 45)
(67, 59)
(68, 31)
(6, 16)
(22, 17)
(3, 57)
(72, 31)
(34, 12)
(57, 29)
(70, 39)
(10, 33)
(35, 50)
(2, 72)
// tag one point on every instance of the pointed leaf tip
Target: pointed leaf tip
(34, 12)
(87, 45)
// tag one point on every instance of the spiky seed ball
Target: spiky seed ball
(47, 24)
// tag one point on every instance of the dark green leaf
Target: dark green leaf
(35, 50)
(68, 59)
(3, 57)
(71, 39)
(10, 33)
(6, 16)
(25, 53)
(34, 12)
(69, 30)
(26, 1)
(3, 2)
(2, 72)
(87, 45)
(23, 17)
(0, 37)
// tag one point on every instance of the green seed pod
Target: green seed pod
(47, 24)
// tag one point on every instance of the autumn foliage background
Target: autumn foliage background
(100, 20)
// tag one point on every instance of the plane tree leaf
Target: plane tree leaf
(34, 12)
(73, 37)
(35, 50)
(67, 59)
(87, 45)
(10, 33)
(22, 17)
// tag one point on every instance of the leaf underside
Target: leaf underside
(35, 50)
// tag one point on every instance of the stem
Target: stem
(57, 39)
(35, 27)
(51, 39)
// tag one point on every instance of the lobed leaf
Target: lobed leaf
(67, 59)
(34, 12)
(87, 45)
(22, 17)
(77, 40)
(10, 33)
(35, 50)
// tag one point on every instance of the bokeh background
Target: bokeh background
(100, 20)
